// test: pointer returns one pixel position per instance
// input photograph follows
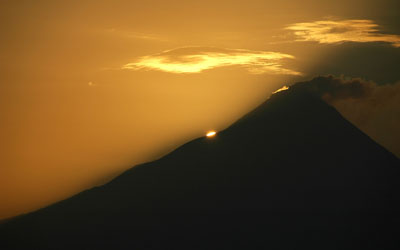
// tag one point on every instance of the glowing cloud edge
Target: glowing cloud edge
(174, 61)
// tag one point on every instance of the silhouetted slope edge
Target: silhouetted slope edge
(291, 174)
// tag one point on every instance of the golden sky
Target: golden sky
(91, 88)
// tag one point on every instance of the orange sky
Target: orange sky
(91, 88)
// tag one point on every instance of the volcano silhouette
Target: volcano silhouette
(292, 174)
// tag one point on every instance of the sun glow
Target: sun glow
(211, 133)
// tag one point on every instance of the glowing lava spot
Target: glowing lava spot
(211, 134)
(281, 89)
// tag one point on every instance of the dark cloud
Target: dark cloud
(332, 88)
(375, 109)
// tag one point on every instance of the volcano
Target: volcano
(291, 174)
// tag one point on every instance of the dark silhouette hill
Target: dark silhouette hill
(292, 174)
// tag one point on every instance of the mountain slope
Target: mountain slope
(292, 174)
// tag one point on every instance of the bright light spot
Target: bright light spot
(281, 89)
(211, 134)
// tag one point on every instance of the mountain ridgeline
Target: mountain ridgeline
(292, 174)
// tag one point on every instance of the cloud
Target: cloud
(361, 31)
(375, 109)
(198, 59)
